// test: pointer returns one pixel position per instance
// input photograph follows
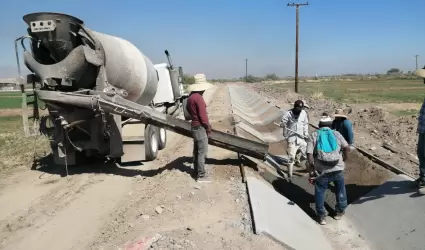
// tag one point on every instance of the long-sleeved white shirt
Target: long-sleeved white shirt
(300, 125)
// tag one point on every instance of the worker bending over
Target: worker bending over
(344, 126)
(326, 165)
(201, 128)
(295, 129)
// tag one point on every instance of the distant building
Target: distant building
(8, 84)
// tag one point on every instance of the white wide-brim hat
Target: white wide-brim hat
(340, 113)
(198, 87)
(420, 73)
(200, 84)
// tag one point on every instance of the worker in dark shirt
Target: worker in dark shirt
(344, 126)
(201, 128)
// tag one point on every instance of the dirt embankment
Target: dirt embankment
(372, 126)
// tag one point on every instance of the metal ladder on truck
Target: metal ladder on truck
(30, 122)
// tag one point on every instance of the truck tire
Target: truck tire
(162, 138)
(186, 114)
(151, 142)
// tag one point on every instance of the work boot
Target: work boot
(321, 220)
(203, 179)
(290, 169)
(418, 183)
(339, 215)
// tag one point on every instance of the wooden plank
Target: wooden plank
(400, 153)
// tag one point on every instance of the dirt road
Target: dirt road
(105, 207)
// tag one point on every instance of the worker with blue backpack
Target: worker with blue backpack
(326, 152)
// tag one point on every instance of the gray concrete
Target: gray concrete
(392, 216)
(244, 106)
(273, 137)
(274, 212)
(257, 122)
(283, 220)
(256, 112)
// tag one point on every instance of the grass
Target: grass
(13, 100)
(373, 91)
(405, 112)
(16, 150)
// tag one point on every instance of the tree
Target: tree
(394, 71)
(250, 79)
(272, 77)
(188, 79)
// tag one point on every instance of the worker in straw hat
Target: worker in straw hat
(200, 125)
(343, 125)
(420, 182)
(326, 165)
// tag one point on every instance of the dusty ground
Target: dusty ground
(373, 124)
(105, 207)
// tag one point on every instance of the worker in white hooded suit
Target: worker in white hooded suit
(295, 129)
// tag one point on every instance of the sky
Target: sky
(215, 37)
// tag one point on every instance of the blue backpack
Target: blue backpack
(327, 148)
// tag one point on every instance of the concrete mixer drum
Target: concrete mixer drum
(68, 57)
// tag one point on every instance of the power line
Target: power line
(297, 7)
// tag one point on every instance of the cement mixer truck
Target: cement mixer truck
(104, 97)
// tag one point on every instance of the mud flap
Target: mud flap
(133, 143)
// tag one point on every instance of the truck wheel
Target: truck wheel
(151, 142)
(186, 114)
(162, 138)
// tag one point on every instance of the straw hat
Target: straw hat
(325, 120)
(200, 84)
(340, 113)
(420, 73)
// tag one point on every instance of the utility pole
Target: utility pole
(246, 70)
(297, 7)
(416, 61)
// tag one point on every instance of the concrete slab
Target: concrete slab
(272, 112)
(246, 102)
(283, 220)
(275, 136)
(391, 216)
(262, 109)
(252, 107)
(256, 122)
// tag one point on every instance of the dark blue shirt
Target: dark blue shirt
(345, 128)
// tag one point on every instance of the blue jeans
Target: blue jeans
(321, 184)
(421, 156)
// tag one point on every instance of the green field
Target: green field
(373, 91)
(12, 100)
